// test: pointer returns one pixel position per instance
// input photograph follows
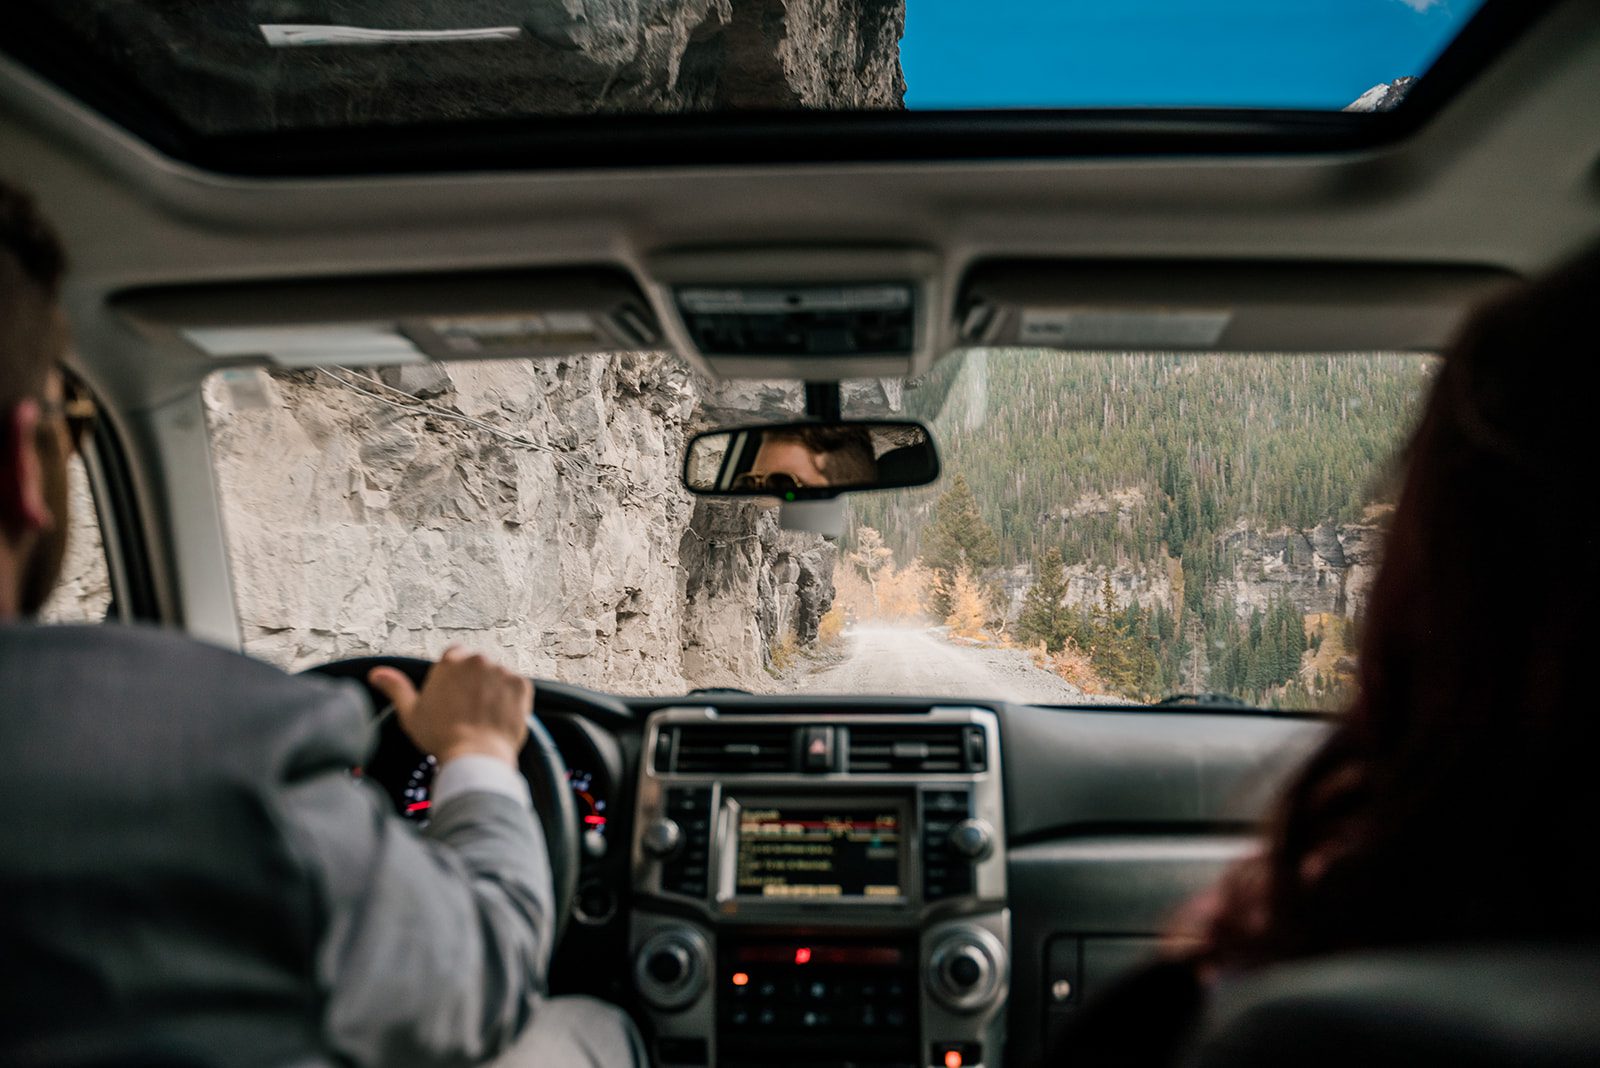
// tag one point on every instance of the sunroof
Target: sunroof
(1318, 55)
(192, 76)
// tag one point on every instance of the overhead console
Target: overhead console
(810, 313)
(804, 320)
(832, 887)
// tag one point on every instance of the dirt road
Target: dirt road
(904, 660)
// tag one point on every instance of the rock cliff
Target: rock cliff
(1327, 569)
(1324, 570)
(528, 508)
(84, 592)
(210, 62)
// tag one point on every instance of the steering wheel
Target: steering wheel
(540, 762)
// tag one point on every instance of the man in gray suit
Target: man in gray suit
(189, 874)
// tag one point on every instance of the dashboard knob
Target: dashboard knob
(594, 844)
(667, 964)
(972, 839)
(672, 968)
(966, 970)
(662, 838)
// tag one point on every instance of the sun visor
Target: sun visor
(397, 320)
(1085, 306)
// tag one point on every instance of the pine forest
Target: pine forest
(1150, 524)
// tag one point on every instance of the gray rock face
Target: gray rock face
(842, 53)
(528, 508)
(1328, 568)
(557, 58)
(84, 592)
(746, 587)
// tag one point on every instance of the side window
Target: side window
(83, 594)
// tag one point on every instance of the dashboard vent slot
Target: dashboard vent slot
(734, 749)
(908, 749)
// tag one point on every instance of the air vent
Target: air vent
(734, 749)
(915, 749)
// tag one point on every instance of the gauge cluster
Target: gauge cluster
(416, 800)
(591, 791)
(592, 798)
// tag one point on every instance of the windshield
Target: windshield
(1109, 528)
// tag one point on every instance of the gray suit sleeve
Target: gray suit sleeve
(434, 945)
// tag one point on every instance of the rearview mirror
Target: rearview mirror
(810, 460)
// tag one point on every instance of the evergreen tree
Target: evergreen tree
(1122, 653)
(957, 537)
(1045, 616)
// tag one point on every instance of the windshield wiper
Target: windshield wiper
(1203, 700)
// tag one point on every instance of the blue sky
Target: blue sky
(1178, 53)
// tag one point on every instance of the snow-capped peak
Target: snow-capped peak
(1385, 96)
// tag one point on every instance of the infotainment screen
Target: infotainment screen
(810, 852)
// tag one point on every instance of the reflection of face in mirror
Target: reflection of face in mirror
(810, 461)
(811, 457)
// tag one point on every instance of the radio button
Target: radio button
(688, 799)
(945, 801)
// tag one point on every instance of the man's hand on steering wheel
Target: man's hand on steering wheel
(469, 705)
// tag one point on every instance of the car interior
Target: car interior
(994, 862)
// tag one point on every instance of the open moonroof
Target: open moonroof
(286, 86)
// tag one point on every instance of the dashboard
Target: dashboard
(832, 885)
(880, 882)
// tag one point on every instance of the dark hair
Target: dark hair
(1456, 798)
(32, 330)
(844, 453)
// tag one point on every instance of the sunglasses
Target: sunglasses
(778, 481)
(76, 409)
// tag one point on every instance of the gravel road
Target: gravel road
(916, 661)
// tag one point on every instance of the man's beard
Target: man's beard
(42, 567)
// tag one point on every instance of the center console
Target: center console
(821, 890)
